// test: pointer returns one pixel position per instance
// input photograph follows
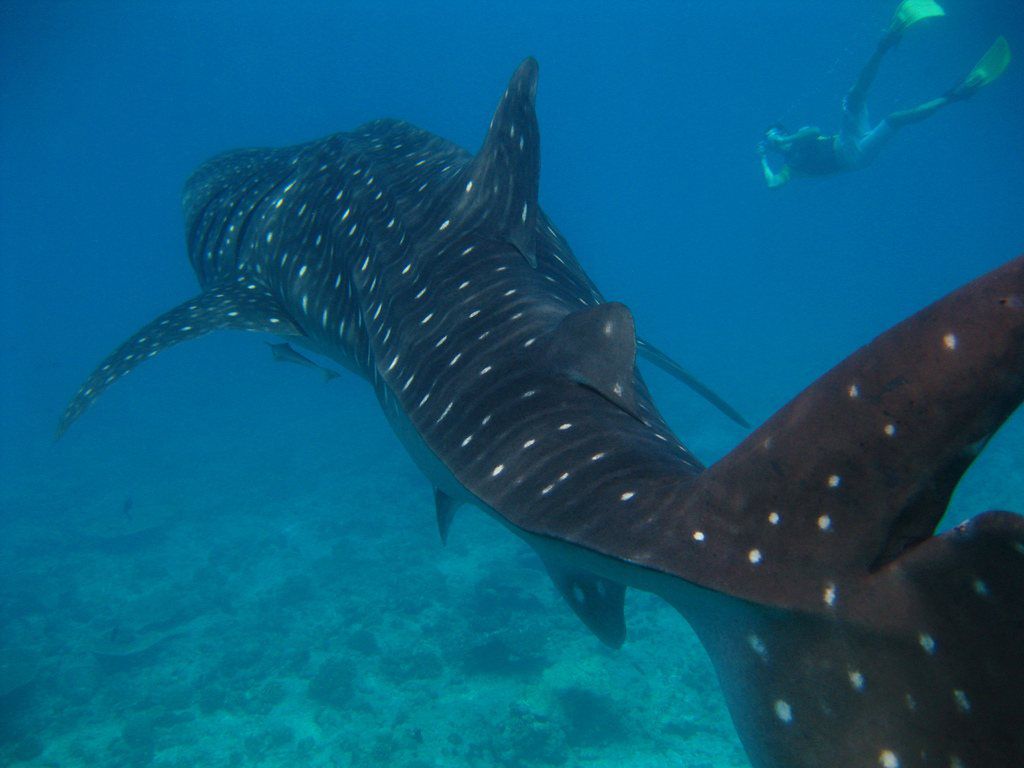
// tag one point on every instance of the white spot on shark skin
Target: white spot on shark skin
(444, 413)
(853, 391)
(757, 646)
(856, 680)
(949, 341)
(497, 470)
(698, 535)
(834, 481)
(962, 702)
(824, 522)
(469, 186)
(427, 318)
(485, 369)
(783, 711)
(774, 518)
(565, 426)
(598, 456)
(754, 556)
(828, 595)
(887, 759)
(927, 642)
(346, 213)
(444, 225)
(529, 443)
(467, 440)
(980, 587)
(627, 496)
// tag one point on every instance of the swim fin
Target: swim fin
(991, 66)
(912, 11)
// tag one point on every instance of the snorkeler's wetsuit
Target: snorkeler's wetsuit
(814, 156)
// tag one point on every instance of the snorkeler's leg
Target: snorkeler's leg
(856, 96)
(918, 113)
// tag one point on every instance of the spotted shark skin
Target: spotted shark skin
(843, 631)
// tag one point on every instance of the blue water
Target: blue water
(228, 562)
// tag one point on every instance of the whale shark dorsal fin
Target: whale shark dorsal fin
(445, 507)
(599, 602)
(498, 190)
(597, 348)
(238, 303)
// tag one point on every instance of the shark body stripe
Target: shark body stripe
(843, 632)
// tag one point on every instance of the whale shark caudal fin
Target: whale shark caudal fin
(240, 304)
(860, 638)
(497, 193)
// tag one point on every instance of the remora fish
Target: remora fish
(285, 353)
(844, 633)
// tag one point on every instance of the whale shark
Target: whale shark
(843, 630)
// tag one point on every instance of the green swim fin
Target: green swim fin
(991, 66)
(912, 11)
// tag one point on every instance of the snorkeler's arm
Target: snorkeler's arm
(808, 131)
(773, 179)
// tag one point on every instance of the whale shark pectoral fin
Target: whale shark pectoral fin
(672, 368)
(445, 507)
(597, 348)
(599, 603)
(240, 304)
(498, 189)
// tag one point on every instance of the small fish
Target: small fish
(286, 353)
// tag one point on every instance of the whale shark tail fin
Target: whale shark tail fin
(240, 304)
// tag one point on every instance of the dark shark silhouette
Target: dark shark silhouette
(844, 633)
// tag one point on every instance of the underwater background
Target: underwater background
(231, 562)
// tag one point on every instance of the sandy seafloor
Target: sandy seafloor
(228, 561)
(265, 607)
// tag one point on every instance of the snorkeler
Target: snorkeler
(809, 152)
